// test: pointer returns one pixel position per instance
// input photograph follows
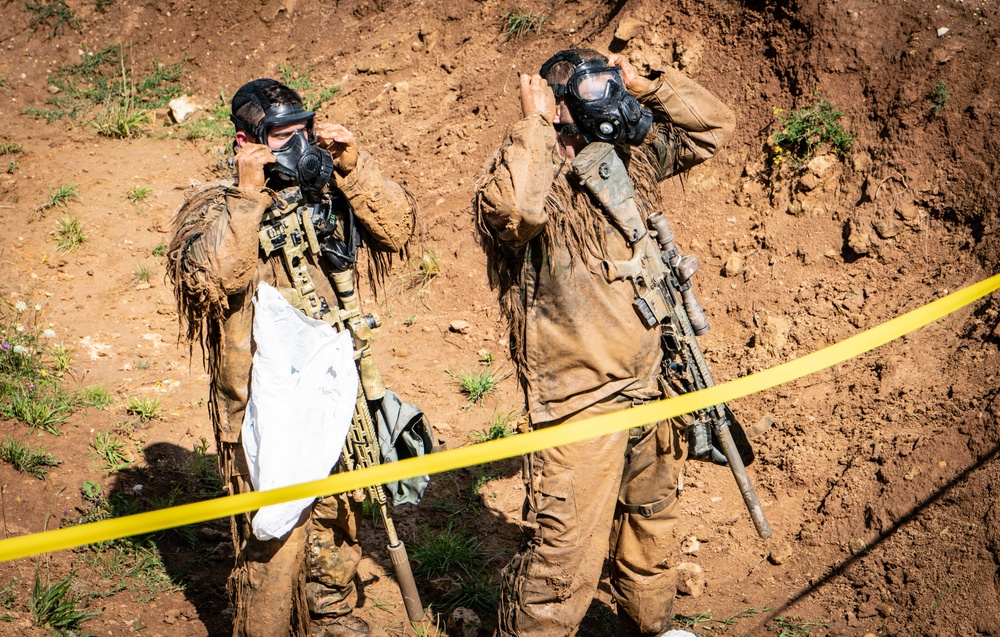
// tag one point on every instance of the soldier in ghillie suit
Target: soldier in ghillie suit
(578, 344)
(301, 584)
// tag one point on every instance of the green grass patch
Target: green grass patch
(518, 23)
(95, 396)
(808, 129)
(438, 552)
(160, 249)
(142, 274)
(145, 408)
(793, 626)
(499, 426)
(39, 409)
(313, 97)
(10, 148)
(61, 359)
(54, 14)
(61, 196)
(33, 461)
(69, 233)
(111, 450)
(476, 385)
(55, 606)
(138, 194)
(940, 93)
(107, 92)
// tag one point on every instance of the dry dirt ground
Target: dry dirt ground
(879, 476)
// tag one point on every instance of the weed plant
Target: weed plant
(34, 462)
(145, 408)
(439, 552)
(55, 14)
(518, 23)
(95, 396)
(807, 129)
(500, 426)
(477, 385)
(69, 233)
(939, 97)
(55, 606)
(160, 249)
(138, 194)
(476, 590)
(142, 274)
(301, 81)
(9, 148)
(61, 359)
(793, 626)
(61, 196)
(103, 80)
(215, 126)
(111, 451)
(12, 167)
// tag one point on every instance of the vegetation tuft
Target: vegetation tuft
(477, 385)
(160, 249)
(517, 23)
(102, 80)
(145, 408)
(143, 273)
(9, 148)
(940, 94)
(111, 450)
(301, 81)
(95, 396)
(35, 462)
(69, 233)
(807, 129)
(55, 606)
(138, 194)
(441, 551)
(500, 426)
(55, 14)
(61, 196)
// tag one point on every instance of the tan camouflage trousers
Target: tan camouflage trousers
(610, 497)
(280, 586)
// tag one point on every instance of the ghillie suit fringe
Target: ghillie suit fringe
(575, 220)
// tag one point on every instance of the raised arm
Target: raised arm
(511, 198)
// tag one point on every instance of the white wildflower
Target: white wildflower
(21, 349)
(49, 333)
(21, 306)
(136, 488)
(38, 307)
(20, 328)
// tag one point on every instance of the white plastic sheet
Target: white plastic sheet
(303, 390)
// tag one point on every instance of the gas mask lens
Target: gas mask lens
(593, 85)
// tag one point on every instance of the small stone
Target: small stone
(691, 579)
(690, 545)
(943, 31)
(463, 622)
(856, 546)
(734, 264)
(703, 533)
(401, 352)
(628, 28)
(440, 585)
(459, 326)
(781, 553)
(52, 89)
(171, 616)
(858, 238)
(182, 107)
(401, 87)
(416, 46)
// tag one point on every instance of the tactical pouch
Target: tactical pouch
(403, 432)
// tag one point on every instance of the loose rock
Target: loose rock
(464, 623)
(734, 264)
(459, 326)
(182, 107)
(690, 545)
(690, 579)
(781, 553)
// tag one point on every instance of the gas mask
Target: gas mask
(602, 109)
(299, 162)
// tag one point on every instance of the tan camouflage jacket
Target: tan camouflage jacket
(214, 262)
(582, 341)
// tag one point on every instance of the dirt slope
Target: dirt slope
(878, 477)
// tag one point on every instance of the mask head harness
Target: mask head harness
(299, 161)
(602, 109)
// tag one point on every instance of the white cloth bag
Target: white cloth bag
(303, 390)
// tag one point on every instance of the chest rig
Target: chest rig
(325, 233)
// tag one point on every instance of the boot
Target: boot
(348, 626)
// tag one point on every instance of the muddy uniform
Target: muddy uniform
(215, 265)
(582, 351)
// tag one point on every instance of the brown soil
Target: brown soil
(878, 477)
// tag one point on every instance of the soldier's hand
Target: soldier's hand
(634, 83)
(341, 143)
(537, 97)
(250, 162)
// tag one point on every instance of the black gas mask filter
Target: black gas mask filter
(602, 109)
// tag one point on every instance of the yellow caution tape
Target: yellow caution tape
(34, 544)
